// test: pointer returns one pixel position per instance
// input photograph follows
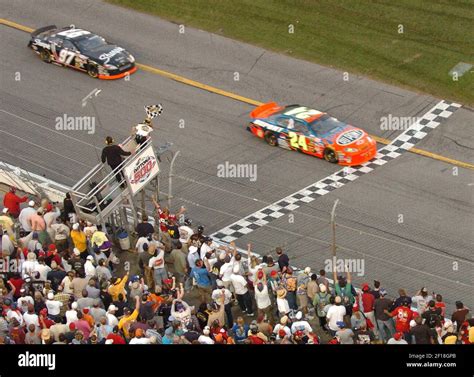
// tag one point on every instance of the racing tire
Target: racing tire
(271, 139)
(330, 155)
(46, 56)
(92, 71)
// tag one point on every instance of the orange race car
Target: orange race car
(312, 132)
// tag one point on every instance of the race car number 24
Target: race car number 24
(298, 141)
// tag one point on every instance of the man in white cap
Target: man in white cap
(25, 214)
(71, 314)
(241, 291)
(216, 297)
(205, 338)
(320, 301)
(300, 324)
(193, 256)
(89, 267)
(111, 318)
(7, 245)
(54, 307)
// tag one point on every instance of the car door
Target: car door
(67, 53)
(298, 135)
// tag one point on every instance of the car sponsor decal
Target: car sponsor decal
(349, 137)
(39, 43)
(105, 57)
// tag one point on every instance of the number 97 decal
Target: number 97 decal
(297, 141)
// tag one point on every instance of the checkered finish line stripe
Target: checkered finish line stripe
(396, 148)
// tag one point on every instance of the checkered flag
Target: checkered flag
(152, 111)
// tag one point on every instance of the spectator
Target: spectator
(112, 154)
(421, 332)
(384, 321)
(13, 201)
(283, 260)
(460, 314)
(397, 339)
(335, 314)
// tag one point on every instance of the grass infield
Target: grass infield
(409, 43)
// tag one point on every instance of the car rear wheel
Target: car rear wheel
(92, 71)
(330, 155)
(46, 56)
(271, 139)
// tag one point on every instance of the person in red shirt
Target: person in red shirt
(403, 315)
(45, 322)
(165, 215)
(368, 301)
(440, 304)
(13, 201)
(115, 337)
(17, 282)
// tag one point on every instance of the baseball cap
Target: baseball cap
(307, 270)
(74, 305)
(31, 203)
(50, 296)
(112, 308)
(398, 336)
(52, 247)
(365, 287)
(5, 210)
(75, 226)
(109, 341)
(322, 287)
(76, 251)
(299, 315)
(383, 292)
(340, 324)
(219, 283)
(90, 257)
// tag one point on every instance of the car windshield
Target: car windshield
(326, 125)
(90, 42)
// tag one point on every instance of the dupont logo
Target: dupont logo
(143, 169)
(349, 137)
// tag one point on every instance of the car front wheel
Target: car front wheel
(92, 71)
(330, 155)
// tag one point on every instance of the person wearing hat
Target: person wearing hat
(357, 319)
(345, 335)
(118, 287)
(384, 322)
(12, 201)
(89, 267)
(344, 289)
(205, 337)
(216, 297)
(300, 324)
(403, 315)
(61, 234)
(397, 339)
(129, 317)
(302, 282)
(281, 330)
(25, 214)
(368, 303)
(79, 240)
(112, 320)
(320, 301)
(241, 291)
(53, 306)
(282, 302)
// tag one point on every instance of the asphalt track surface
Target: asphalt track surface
(432, 247)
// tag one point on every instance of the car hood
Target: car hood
(108, 54)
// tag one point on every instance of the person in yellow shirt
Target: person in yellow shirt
(98, 238)
(128, 318)
(471, 333)
(79, 239)
(118, 287)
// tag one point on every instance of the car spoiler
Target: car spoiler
(265, 110)
(43, 29)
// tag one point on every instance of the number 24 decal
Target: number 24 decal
(298, 141)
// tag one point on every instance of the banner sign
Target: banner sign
(141, 170)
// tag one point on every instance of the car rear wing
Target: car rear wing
(43, 29)
(265, 110)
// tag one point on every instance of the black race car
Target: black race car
(82, 50)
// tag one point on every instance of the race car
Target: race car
(82, 50)
(312, 132)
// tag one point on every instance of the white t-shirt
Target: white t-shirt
(23, 303)
(192, 258)
(420, 303)
(54, 307)
(158, 261)
(89, 268)
(283, 306)
(226, 270)
(203, 339)
(112, 320)
(393, 341)
(61, 231)
(239, 283)
(301, 326)
(31, 319)
(67, 285)
(139, 245)
(335, 314)
(141, 340)
(28, 267)
(279, 327)
(43, 271)
(262, 298)
(71, 316)
(217, 293)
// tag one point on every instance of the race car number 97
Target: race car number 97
(298, 141)
(66, 56)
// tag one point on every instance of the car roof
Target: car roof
(72, 34)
